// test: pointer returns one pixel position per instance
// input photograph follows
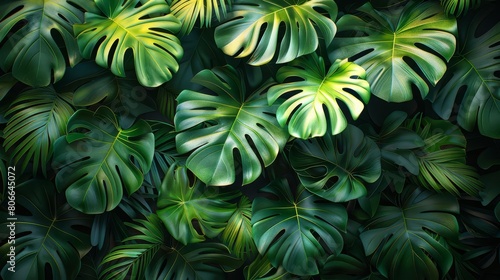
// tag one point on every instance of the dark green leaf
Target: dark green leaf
(164, 154)
(129, 261)
(95, 159)
(337, 167)
(297, 231)
(472, 74)
(442, 160)
(194, 261)
(402, 239)
(51, 235)
(32, 53)
(38, 117)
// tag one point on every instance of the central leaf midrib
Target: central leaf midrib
(111, 148)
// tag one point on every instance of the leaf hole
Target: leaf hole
(331, 182)
(12, 37)
(112, 51)
(251, 143)
(99, 42)
(205, 108)
(360, 54)
(238, 180)
(23, 233)
(82, 229)
(322, 11)
(48, 271)
(63, 17)
(429, 50)
(429, 16)
(197, 226)
(278, 236)
(11, 13)
(297, 107)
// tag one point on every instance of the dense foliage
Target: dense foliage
(262, 139)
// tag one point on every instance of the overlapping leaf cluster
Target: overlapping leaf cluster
(267, 139)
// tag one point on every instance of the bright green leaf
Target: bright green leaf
(50, 235)
(385, 42)
(191, 211)
(237, 234)
(315, 88)
(403, 239)
(473, 69)
(337, 167)
(190, 11)
(31, 51)
(289, 228)
(37, 118)
(261, 269)
(95, 159)
(215, 124)
(241, 36)
(459, 7)
(127, 27)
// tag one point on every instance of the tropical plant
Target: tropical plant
(236, 139)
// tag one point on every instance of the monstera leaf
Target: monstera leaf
(37, 118)
(388, 45)
(189, 11)
(459, 7)
(223, 121)
(51, 236)
(474, 68)
(297, 232)
(95, 159)
(191, 212)
(237, 234)
(240, 35)
(336, 167)
(30, 49)
(407, 240)
(441, 160)
(124, 26)
(315, 88)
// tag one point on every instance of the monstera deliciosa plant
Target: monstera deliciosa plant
(237, 139)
